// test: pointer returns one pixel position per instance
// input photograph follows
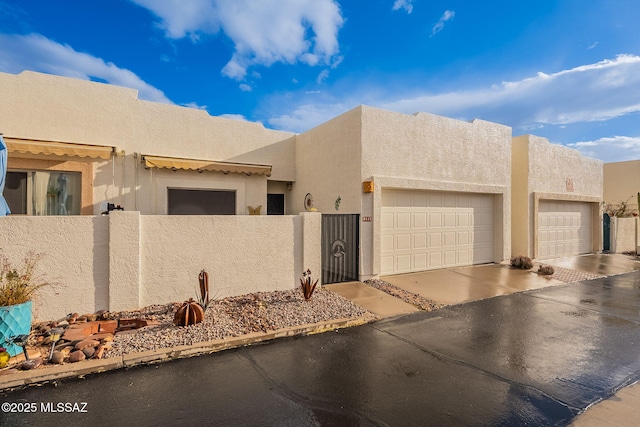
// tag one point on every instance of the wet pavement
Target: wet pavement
(538, 357)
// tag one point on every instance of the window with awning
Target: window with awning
(175, 163)
(31, 146)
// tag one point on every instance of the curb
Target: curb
(94, 366)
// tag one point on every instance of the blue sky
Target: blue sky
(568, 70)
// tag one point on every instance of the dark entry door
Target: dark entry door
(606, 233)
(340, 237)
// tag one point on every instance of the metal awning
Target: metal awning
(175, 163)
(31, 146)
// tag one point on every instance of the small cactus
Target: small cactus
(546, 270)
(306, 285)
(189, 313)
(521, 261)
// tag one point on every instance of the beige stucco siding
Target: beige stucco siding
(553, 172)
(622, 182)
(51, 108)
(430, 147)
(433, 153)
(328, 166)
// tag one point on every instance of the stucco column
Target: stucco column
(124, 260)
(312, 244)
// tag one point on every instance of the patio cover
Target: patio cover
(174, 163)
(31, 146)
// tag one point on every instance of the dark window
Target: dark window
(15, 192)
(275, 204)
(201, 202)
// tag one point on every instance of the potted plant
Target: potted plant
(17, 289)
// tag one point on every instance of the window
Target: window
(201, 202)
(275, 204)
(43, 193)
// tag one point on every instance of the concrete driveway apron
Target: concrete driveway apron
(459, 285)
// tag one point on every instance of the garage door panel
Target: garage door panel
(564, 228)
(420, 220)
(446, 229)
(403, 242)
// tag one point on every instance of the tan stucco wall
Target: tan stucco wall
(75, 255)
(622, 182)
(328, 166)
(624, 234)
(45, 107)
(552, 170)
(429, 152)
(126, 260)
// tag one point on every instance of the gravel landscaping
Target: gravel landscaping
(233, 317)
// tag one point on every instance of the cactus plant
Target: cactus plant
(203, 278)
(305, 283)
(521, 261)
(189, 313)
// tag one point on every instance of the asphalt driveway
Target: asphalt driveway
(531, 358)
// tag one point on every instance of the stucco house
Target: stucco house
(622, 183)
(431, 192)
(556, 200)
(103, 144)
(397, 193)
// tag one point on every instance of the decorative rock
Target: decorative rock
(101, 336)
(57, 357)
(62, 323)
(89, 352)
(86, 343)
(77, 356)
(30, 364)
(99, 353)
(107, 338)
(108, 325)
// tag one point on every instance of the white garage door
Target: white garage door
(427, 230)
(564, 228)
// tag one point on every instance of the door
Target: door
(340, 237)
(423, 230)
(564, 228)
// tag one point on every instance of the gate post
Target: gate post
(311, 244)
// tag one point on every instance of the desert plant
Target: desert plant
(189, 313)
(203, 279)
(19, 284)
(546, 270)
(305, 283)
(521, 261)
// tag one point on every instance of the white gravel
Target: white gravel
(232, 317)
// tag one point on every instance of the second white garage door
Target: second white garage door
(427, 230)
(564, 228)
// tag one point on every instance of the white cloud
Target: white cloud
(195, 105)
(234, 117)
(38, 53)
(586, 93)
(307, 116)
(324, 74)
(403, 4)
(245, 87)
(263, 32)
(446, 16)
(610, 149)
(592, 45)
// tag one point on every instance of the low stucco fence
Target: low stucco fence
(624, 234)
(126, 260)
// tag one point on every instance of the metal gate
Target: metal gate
(606, 233)
(340, 237)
